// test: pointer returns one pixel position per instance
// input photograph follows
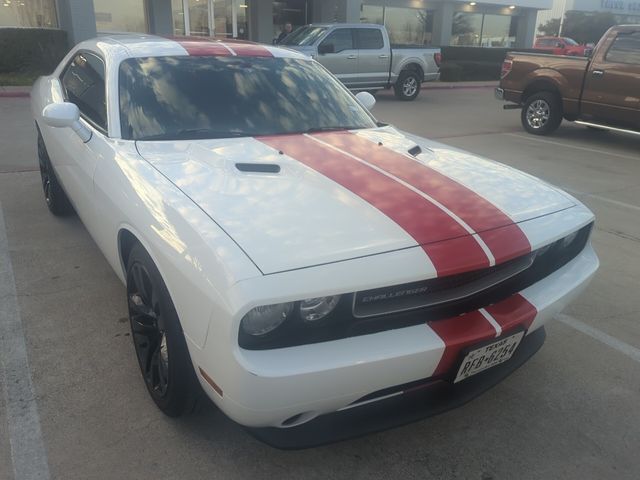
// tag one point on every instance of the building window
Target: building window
(372, 14)
(406, 26)
(120, 15)
(199, 17)
(499, 31)
(28, 13)
(295, 12)
(177, 13)
(483, 30)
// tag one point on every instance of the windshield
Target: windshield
(177, 98)
(303, 36)
(570, 41)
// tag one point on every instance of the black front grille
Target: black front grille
(435, 291)
(342, 323)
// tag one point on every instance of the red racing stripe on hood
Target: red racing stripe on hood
(504, 238)
(449, 246)
(204, 48)
(464, 331)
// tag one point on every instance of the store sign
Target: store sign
(620, 6)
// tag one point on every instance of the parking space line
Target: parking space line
(28, 454)
(622, 347)
(568, 145)
(604, 199)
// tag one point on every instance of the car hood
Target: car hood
(295, 201)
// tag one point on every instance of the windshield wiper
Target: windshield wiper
(194, 134)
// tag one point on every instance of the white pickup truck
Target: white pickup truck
(361, 56)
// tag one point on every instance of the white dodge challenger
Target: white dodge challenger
(299, 262)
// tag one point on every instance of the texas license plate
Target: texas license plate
(488, 356)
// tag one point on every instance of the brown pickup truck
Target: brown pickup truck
(601, 92)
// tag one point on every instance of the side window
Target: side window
(83, 84)
(369, 39)
(337, 41)
(625, 49)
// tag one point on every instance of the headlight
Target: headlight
(313, 309)
(265, 319)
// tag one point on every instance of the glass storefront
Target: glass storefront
(177, 13)
(483, 30)
(28, 13)
(220, 18)
(406, 26)
(295, 12)
(120, 15)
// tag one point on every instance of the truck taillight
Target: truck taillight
(506, 67)
(437, 57)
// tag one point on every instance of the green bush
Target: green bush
(32, 51)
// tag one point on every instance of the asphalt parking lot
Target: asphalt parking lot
(571, 412)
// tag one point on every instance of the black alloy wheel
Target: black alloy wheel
(158, 339)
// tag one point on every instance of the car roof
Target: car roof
(131, 45)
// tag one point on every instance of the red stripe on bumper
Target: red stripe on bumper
(458, 333)
(447, 244)
(461, 332)
(481, 215)
(513, 311)
(464, 331)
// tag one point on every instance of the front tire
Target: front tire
(407, 87)
(54, 196)
(158, 339)
(541, 113)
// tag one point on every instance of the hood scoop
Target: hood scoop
(258, 167)
(415, 151)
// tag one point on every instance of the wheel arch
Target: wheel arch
(413, 66)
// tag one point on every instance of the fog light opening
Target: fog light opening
(298, 419)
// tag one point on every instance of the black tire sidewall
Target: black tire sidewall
(555, 113)
(182, 388)
(401, 79)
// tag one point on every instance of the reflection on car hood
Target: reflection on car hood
(294, 201)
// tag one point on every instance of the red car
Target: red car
(562, 46)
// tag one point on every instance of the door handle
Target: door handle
(351, 57)
(383, 56)
(597, 73)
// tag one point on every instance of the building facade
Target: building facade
(501, 23)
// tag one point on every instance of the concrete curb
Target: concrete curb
(14, 94)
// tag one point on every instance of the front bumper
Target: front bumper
(288, 387)
(413, 404)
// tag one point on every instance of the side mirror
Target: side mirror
(63, 115)
(559, 45)
(326, 48)
(366, 100)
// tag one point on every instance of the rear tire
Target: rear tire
(158, 339)
(407, 87)
(54, 196)
(541, 113)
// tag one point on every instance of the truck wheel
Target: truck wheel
(407, 87)
(541, 113)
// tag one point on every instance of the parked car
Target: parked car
(600, 92)
(283, 252)
(562, 46)
(361, 56)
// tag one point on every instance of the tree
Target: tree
(583, 27)
(551, 28)
(587, 27)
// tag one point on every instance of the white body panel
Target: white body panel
(226, 241)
